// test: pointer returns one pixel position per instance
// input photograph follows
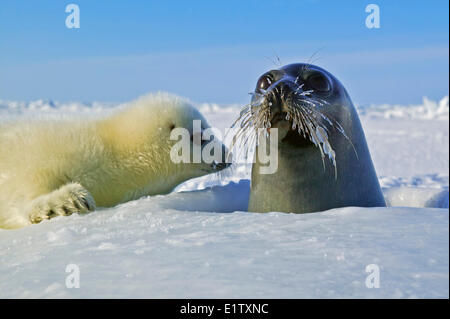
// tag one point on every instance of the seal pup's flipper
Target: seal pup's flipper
(68, 199)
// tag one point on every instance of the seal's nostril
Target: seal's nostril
(284, 89)
(272, 98)
(279, 93)
(275, 101)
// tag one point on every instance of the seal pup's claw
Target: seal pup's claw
(68, 199)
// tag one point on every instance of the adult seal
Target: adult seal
(323, 158)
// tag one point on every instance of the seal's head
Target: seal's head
(163, 137)
(305, 103)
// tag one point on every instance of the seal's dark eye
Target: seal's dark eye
(264, 82)
(319, 82)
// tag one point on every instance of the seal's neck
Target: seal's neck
(305, 183)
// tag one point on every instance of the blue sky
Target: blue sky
(214, 51)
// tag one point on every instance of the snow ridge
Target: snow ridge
(429, 109)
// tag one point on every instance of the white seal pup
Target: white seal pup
(323, 158)
(58, 167)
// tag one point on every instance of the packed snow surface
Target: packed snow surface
(199, 241)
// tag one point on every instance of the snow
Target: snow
(198, 242)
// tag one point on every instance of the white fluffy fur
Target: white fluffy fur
(50, 168)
